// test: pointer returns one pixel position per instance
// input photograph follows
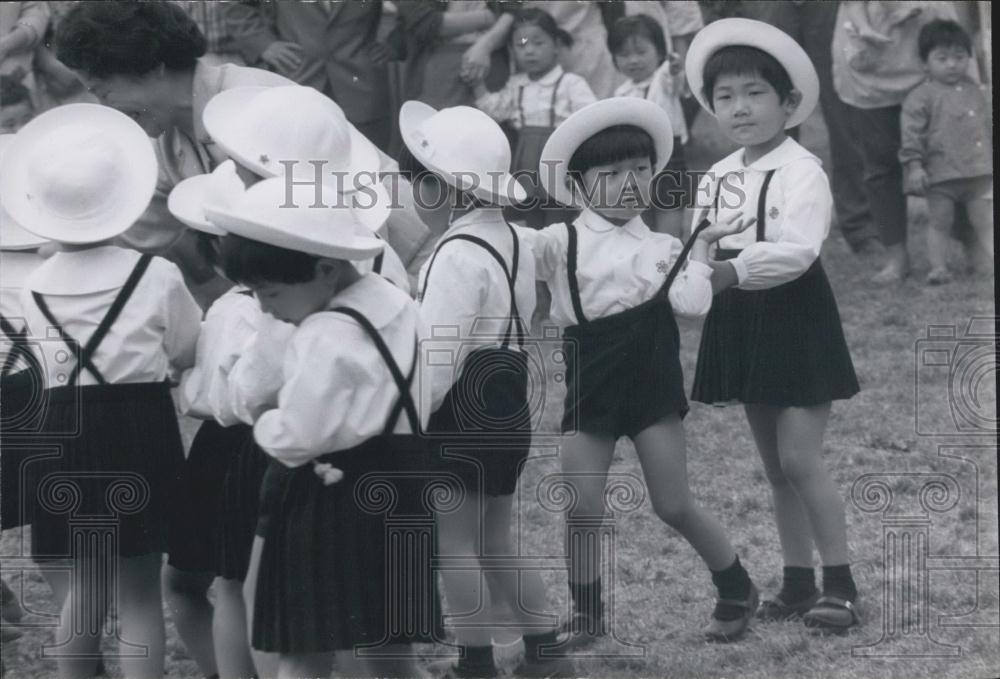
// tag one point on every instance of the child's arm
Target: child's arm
(253, 380)
(691, 294)
(548, 246)
(181, 318)
(578, 93)
(913, 123)
(476, 60)
(500, 105)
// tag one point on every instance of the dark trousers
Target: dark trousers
(877, 132)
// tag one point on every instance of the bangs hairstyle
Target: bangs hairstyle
(746, 60)
(413, 171)
(638, 26)
(251, 262)
(612, 145)
(106, 39)
(544, 21)
(942, 33)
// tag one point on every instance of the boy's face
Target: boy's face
(618, 190)
(294, 302)
(15, 116)
(749, 109)
(637, 58)
(947, 64)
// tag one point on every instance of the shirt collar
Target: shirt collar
(482, 215)
(83, 272)
(634, 227)
(376, 298)
(787, 152)
(549, 78)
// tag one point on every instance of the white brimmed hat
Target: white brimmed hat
(588, 121)
(222, 187)
(79, 173)
(465, 147)
(271, 212)
(12, 236)
(765, 37)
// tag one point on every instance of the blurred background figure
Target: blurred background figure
(211, 19)
(22, 27)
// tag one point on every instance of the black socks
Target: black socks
(732, 582)
(477, 661)
(587, 599)
(838, 582)
(797, 584)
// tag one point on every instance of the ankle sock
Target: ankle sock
(477, 661)
(733, 582)
(798, 584)
(587, 598)
(838, 582)
(533, 642)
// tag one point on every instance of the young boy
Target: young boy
(947, 143)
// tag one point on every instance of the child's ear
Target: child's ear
(328, 269)
(792, 101)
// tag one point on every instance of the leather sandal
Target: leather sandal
(832, 614)
(776, 610)
(725, 631)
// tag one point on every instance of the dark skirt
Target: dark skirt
(783, 346)
(349, 564)
(623, 371)
(483, 428)
(240, 503)
(116, 471)
(194, 523)
(22, 402)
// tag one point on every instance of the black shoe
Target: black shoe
(776, 610)
(578, 632)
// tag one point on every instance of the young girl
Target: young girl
(480, 281)
(80, 175)
(329, 578)
(612, 293)
(641, 53)
(773, 339)
(534, 102)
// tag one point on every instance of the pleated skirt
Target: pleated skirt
(241, 489)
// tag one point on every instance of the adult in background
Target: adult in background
(22, 26)
(875, 65)
(327, 45)
(208, 14)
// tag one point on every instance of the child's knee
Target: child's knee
(675, 512)
(797, 470)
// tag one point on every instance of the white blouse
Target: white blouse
(255, 378)
(338, 391)
(618, 268)
(466, 303)
(573, 94)
(661, 88)
(797, 215)
(153, 338)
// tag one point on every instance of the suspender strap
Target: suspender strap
(762, 205)
(686, 250)
(86, 354)
(405, 400)
(19, 348)
(552, 102)
(520, 108)
(574, 286)
(377, 267)
(515, 313)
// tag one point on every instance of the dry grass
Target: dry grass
(662, 593)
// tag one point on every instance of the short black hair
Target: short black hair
(942, 33)
(539, 17)
(745, 60)
(13, 91)
(611, 145)
(638, 26)
(107, 39)
(251, 262)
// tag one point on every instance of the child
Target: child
(480, 282)
(81, 175)
(641, 53)
(328, 580)
(16, 108)
(612, 294)
(947, 143)
(224, 468)
(774, 343)
(534, 102)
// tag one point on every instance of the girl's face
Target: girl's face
(433, 199)
(947, 64)
(750, 112)
(535, 51)
(619, 190)
(638, 58)
(146, 99)
(294, 302)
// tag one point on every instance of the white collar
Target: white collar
(549, 78)
(482, 215)
(83, 272)
(374, 297)
(786, 152)
(634, 227)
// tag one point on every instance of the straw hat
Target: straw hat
(221, 187)
(765, 37)
(79, 173)
(465, 147)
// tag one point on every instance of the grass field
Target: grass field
(662, 594)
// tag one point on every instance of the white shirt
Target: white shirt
(663, 89)
(797, 217)
(255, 378)
(618, 268)
(466, 303)
(337, 390)
(392, 268)
(15, 267)
(573, 94)
(153, 338)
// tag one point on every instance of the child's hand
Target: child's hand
(916, 181)
(328, 473)
(735, 224)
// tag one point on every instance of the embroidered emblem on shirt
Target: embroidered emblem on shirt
(264, 159)
(661, 266)
(773, 212)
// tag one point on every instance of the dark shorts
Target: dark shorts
(964, 190)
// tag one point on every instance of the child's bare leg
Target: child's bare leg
(941, 214)
(585, 460)
(229, 631)
(297, 666)
(140, 614)
(85, 607)
(980, 211)
(187, 597)
(266, 663)
(459, 539)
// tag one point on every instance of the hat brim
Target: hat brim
(765, 37)
(138, 158)
(588, 121)
(186, 202)
(12, 235)
(503, 189)
(231, 105)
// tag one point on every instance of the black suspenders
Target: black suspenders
(85, 359)
(552, 102)
(762, 205)
(404, 384)
(19, 348)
